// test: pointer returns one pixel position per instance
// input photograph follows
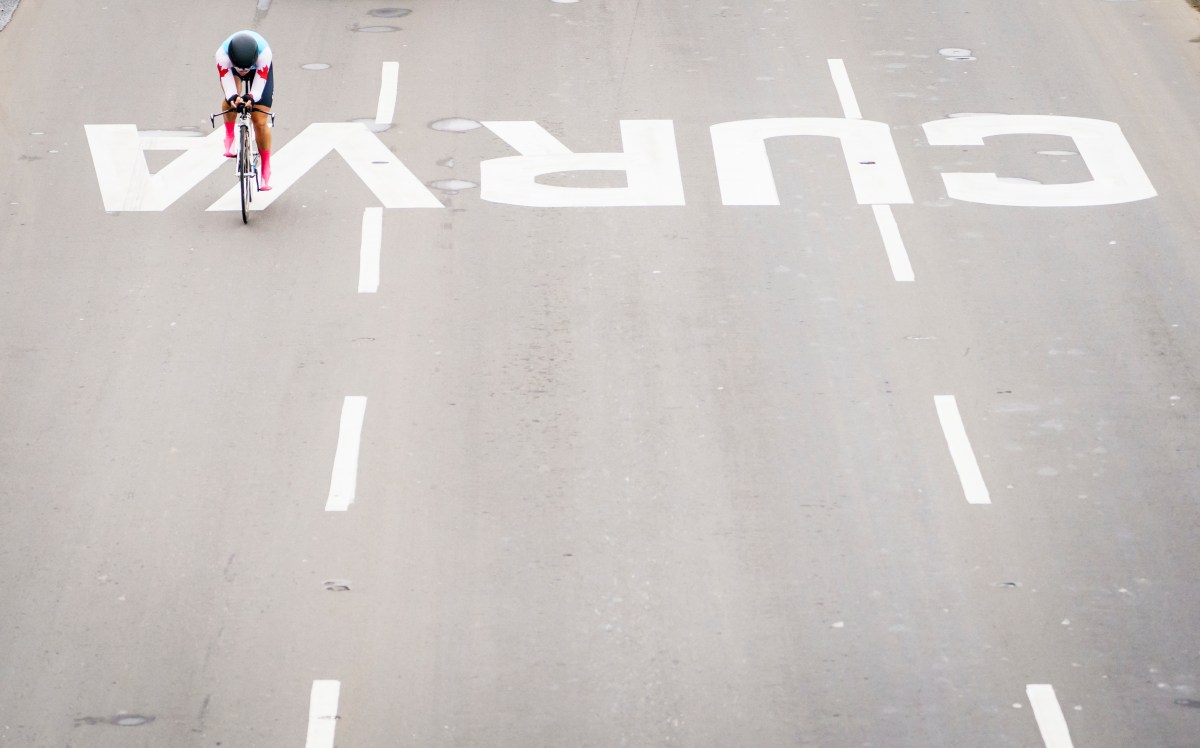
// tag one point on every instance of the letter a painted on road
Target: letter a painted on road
(649, 161)
(126, 184)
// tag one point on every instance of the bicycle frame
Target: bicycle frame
(247, 151)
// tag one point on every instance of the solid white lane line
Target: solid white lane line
(345, 461)
(960, 450)
(845, 91)
(1049, 715)
(893, 244)
(322, 713)
(387, 93)
(372, 237)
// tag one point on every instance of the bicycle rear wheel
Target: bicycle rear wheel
(244, 174)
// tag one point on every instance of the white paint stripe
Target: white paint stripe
(1049, 715)
(893, 243)
(372, 237)
(387, 94)
(322, 713)
(845, 92)
(960, 450)
(345, 461)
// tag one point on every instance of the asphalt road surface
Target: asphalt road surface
(605, 456)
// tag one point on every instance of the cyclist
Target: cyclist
(245, 56)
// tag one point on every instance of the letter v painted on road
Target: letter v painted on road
(386, 176)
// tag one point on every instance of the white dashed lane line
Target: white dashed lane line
(889, 231)
(372, 237)
(323, 713)
(845, 91)
(344, 482)
(386, 112)
(1048, 713)
(893, 244)
(960, 450)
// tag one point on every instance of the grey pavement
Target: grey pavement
(629, 476)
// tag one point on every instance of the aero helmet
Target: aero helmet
(243, 50)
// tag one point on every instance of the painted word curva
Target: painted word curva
(649, 161)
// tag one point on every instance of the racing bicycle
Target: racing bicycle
(247, 153)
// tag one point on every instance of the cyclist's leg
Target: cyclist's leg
(262, 132)
(229, 115)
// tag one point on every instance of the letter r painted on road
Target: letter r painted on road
(744, 169)
(649, 160)
(126, 184)
(1117, 176)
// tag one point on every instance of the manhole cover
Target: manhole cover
(954, 53)
(455, 124)
(453, 185)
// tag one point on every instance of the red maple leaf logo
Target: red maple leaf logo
(262, 72)
(222, 71)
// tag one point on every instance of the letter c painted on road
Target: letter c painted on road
(1117, 176)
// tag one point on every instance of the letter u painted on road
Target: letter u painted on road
(744, 169)
(1117, 176)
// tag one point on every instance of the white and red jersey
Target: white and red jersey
(262, 67)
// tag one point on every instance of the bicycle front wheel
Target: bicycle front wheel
(244, 174)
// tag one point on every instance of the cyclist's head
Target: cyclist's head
(243, 50)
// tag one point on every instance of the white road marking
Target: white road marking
(375, 164)
(1049, 716)
(322, 713)
(1117, 175)
(845, 91)
(746, 176)
(387, 93)
(960, 450)
(649, 158)
(345, 461)
(126, 184)
(372, 237)
(893, 244)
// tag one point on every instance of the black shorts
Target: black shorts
(268, 94)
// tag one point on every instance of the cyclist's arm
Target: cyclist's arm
(225, 70)
(263, 65)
